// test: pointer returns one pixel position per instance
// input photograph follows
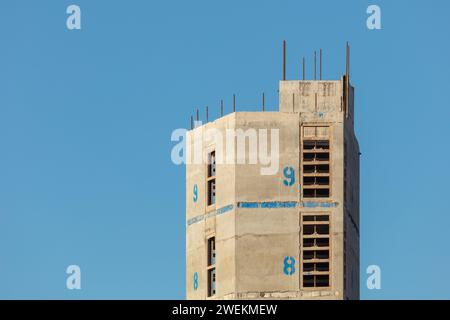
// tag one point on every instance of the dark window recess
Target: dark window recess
(325, 156)
(322, 242)
(308, 229)
(309, 145)
(321, 267)
(322, 181)
(308, 267)
(323, 145)
(212, 164)
(316, 169)
(309, 169)
(313, 156)
(318, 181)
(211, 251)
(322, 254)
(308, 156)
(211, 192)
(308, 181)
(316, 281)
(308, 242)
(323, 229)
(211, 262)
(211, 179)
(211, 282)
(309, 193)
(322, 281)
(308, 255)
(322, 193)
(316, 242)
(308, 281)
(323, 168)
(324, 217)
(316, 145)
(315, 252)
(316, 193)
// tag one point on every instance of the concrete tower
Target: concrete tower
(284, 228)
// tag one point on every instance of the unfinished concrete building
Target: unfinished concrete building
(289, 235)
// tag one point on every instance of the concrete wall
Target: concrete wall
(256, 219)
(266, 235)
(351, 210)
(203, 221)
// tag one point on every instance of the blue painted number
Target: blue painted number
(195, 280)
(289, 174)
(289, 266)
(195, 193)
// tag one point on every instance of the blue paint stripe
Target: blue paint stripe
(279, 204)
(195, 219)
(247, 205)
(264, 205)
(285, 204)
(210, 214)
(318, 204)
(225, 209)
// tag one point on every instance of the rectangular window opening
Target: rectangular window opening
(308, 281)
(211, 266)
(323, 229)
(322, 280)
(308, 229)
(211, 192)
(212, 164)
(211, 282)
(323, 266)
(211, 179)
(211, 251)
(322, 242)
(308, 255)
(322, 254)
(309, 193)
(322, 193)
(308, 156)
(315, 266)
(307, 242)
(316, 169)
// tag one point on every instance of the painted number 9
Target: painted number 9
(289, 174)
(195, 193)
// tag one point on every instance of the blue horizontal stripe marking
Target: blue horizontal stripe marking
(263, 205)
(286, 204)
(210, 214)
(247, 205)
(318, 204)
(225, 209)
(279, 204)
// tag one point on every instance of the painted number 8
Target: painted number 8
(289, 174)
(195, 280)
(289, 266)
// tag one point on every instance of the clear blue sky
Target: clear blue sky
(86, 117)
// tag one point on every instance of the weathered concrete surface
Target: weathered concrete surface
(252, 238)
